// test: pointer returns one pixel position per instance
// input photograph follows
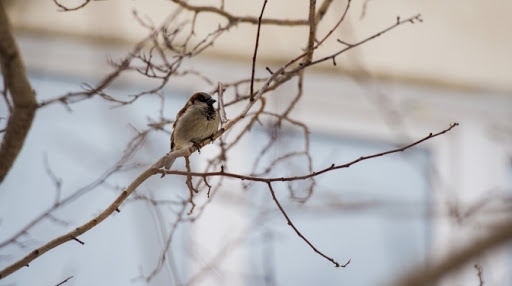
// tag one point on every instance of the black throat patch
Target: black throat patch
(209, 113)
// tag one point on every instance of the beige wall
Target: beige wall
(460, 43)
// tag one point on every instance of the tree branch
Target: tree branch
(290, 223)
(239, 19)
(278, 77)
(23, 98)
(66, 9)
(313, 174)
(73, 235)
(256, 49)
(501, 234)
(399, 22)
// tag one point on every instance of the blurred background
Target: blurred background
(387, 215)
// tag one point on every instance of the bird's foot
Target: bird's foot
(197, 146)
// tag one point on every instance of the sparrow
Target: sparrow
(195, 122)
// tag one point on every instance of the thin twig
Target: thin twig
(65, 280)
(190, 187)
(72, 235)
(66, 9)
(256, 49)
(54, 178)
(290, 223)
(239, 19)
(313, 174)
(332, 57)
(335, 26)
(121, 67)
(131, 148)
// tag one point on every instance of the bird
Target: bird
(196, 121)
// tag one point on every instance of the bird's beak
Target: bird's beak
(211, 101)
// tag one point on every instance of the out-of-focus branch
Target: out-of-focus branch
(480, 274)
(23, 98)
(322, 10)
(502, 234)
(222, 110)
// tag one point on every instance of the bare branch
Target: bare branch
(312, 32)
(237, 19)
(332, 57)
(289, 222)
(64, 281)
(335, 26)
(133, 146)
(256, 49)
(23, 98)
(313, 174)
(121, 67)
(54, 178)
(5, 95)
(72, 235)
(151, 58)
(66, 9)
(190, 187)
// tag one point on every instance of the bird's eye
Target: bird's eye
(203, 99)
